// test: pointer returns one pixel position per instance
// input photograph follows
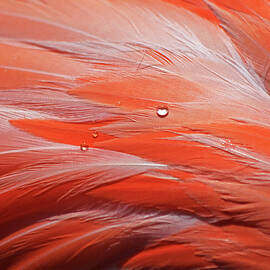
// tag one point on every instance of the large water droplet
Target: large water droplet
(95, 134)
(84, 147)
(162, 111)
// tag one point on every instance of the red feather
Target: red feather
(134, 134)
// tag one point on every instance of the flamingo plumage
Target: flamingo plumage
(134, 134)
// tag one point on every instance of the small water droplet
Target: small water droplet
(95, 134)
(162, 111)
(84, 147)
(227, 143)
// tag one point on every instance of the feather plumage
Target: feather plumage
(91, 177)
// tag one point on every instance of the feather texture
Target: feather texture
(134, 134)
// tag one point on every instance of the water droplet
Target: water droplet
(84, 147)
(227, 143)
(95, 134)
(162, 111)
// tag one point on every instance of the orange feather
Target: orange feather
(134, 134)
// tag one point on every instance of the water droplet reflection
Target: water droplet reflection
(162, 111)
(84, 147)
(95, 134)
